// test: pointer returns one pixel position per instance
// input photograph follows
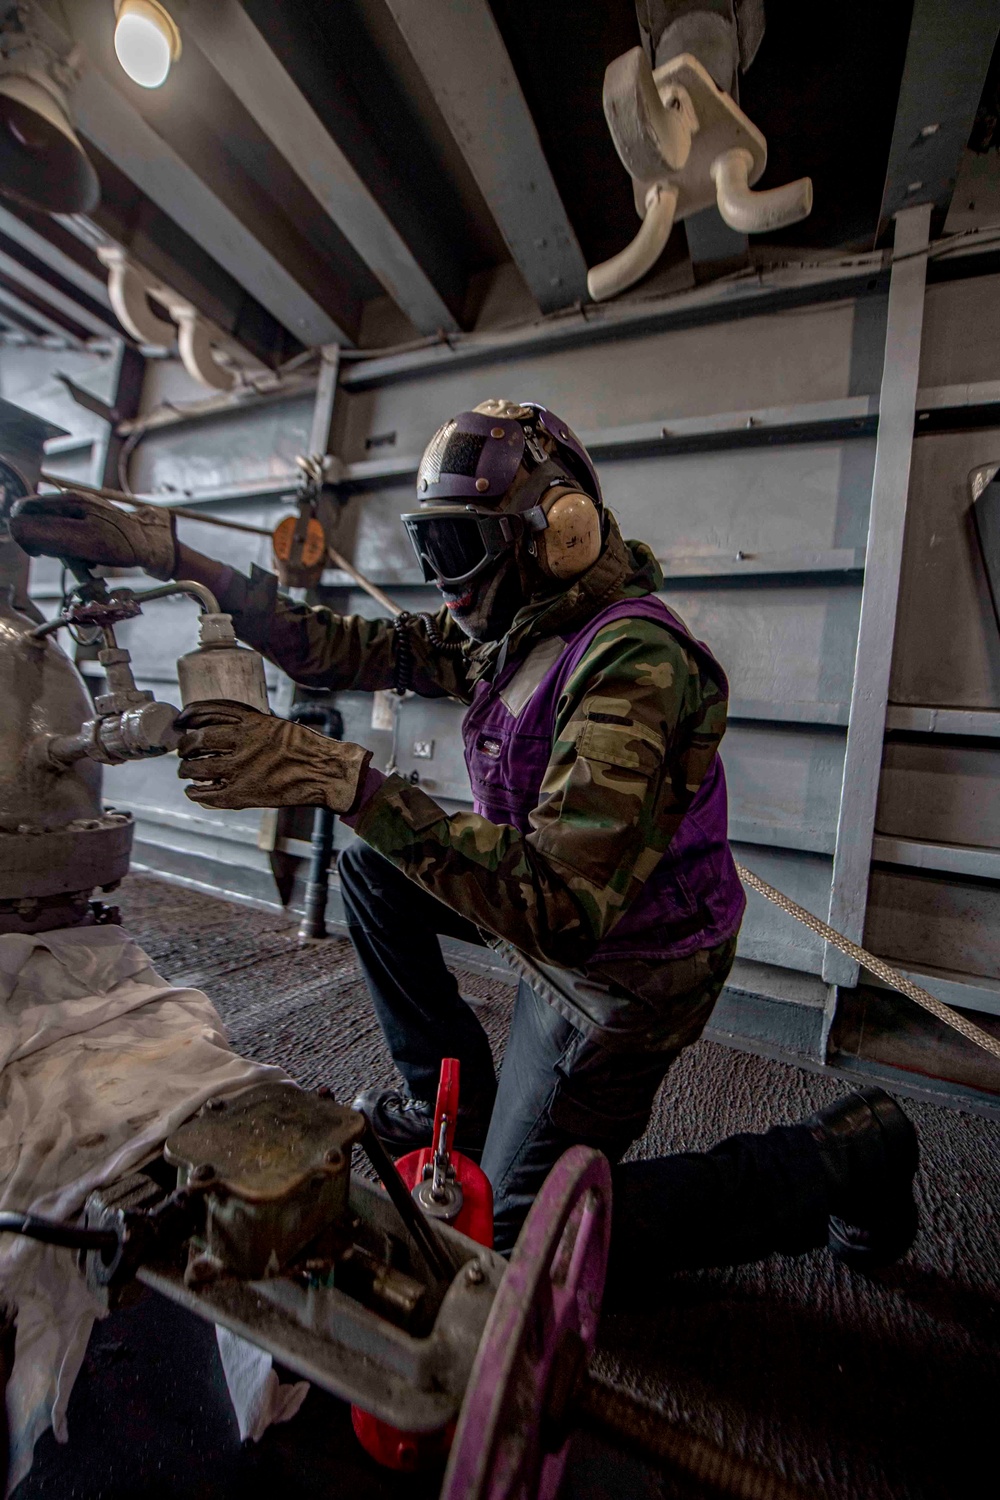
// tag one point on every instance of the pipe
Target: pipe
(196, 591)
(756, 213)
(312, 928)
(629, 265)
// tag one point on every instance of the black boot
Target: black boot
(870, 1151)
(403, 1123)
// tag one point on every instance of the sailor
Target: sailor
(596, 857)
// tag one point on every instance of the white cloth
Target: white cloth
(100, 1059)
(257, 1395)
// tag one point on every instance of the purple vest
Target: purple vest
(694, 898)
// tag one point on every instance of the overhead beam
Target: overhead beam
(94, 287)
(60, 302)
(31, 318)
(238, 52)
(116, 128)
(947, 58)
(460, 52)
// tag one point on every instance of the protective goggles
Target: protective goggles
(456, 543)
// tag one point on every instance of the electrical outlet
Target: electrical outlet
(423, 749)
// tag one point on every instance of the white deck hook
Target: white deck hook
(751, 212)
(686, 145)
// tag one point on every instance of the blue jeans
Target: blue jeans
(560, 1087)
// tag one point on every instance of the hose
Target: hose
(55, 1232)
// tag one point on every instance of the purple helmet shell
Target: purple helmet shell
(476, 455)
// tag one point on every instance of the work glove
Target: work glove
(94, 531)
(238, 757)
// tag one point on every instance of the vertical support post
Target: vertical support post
(274, 824)
(321, 431)
(876, 628)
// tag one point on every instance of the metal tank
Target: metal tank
(56, 841)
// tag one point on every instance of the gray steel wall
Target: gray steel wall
(764, 550)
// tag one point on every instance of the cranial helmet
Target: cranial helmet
(505, 472)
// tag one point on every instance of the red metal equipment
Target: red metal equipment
(453, 1188)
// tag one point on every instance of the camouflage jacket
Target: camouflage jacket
(555, 892)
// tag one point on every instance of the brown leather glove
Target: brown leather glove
(95, 531)
(239, 757)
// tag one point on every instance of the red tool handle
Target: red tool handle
(447, 1103)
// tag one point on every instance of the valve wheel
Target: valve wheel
(513, 1430)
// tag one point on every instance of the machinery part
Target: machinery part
(468, 1207)
(196, 348)
(674, 127)
(42, 163)
(299, 547)
(637, 259)
(56, 840)
(136, 734)
(130, 303)
(513, 1433)
(55, 1232)
(274, 1165)
(335, 1289)
(312, 928)
(448, 1186)
(874, 965)
(434, 1257)
(649, 132)
(436, 1188)
(637, 1428)
(220, 668)
(751, 212)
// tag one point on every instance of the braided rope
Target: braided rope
(877, 966)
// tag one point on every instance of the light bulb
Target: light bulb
(146, 41)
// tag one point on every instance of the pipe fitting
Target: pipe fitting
(136, 734)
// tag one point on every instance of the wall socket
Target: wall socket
(423, 749)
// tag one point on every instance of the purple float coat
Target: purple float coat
(694, 898)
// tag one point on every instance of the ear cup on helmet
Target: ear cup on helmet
(571, 543)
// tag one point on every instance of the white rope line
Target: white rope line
(877, 966)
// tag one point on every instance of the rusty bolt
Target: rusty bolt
(334, 1157)
(497, 432)
(205, 1172)
(325, 1091)
(199, 1269)
(482, 484)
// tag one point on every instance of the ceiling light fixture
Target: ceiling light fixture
(147, 41)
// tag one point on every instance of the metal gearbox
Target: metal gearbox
(274, 1167)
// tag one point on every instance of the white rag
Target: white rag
(100, 1060)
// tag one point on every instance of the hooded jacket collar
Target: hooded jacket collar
(625, 569)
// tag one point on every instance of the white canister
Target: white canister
(220, 668)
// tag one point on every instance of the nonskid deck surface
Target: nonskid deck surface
(853, 1389)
